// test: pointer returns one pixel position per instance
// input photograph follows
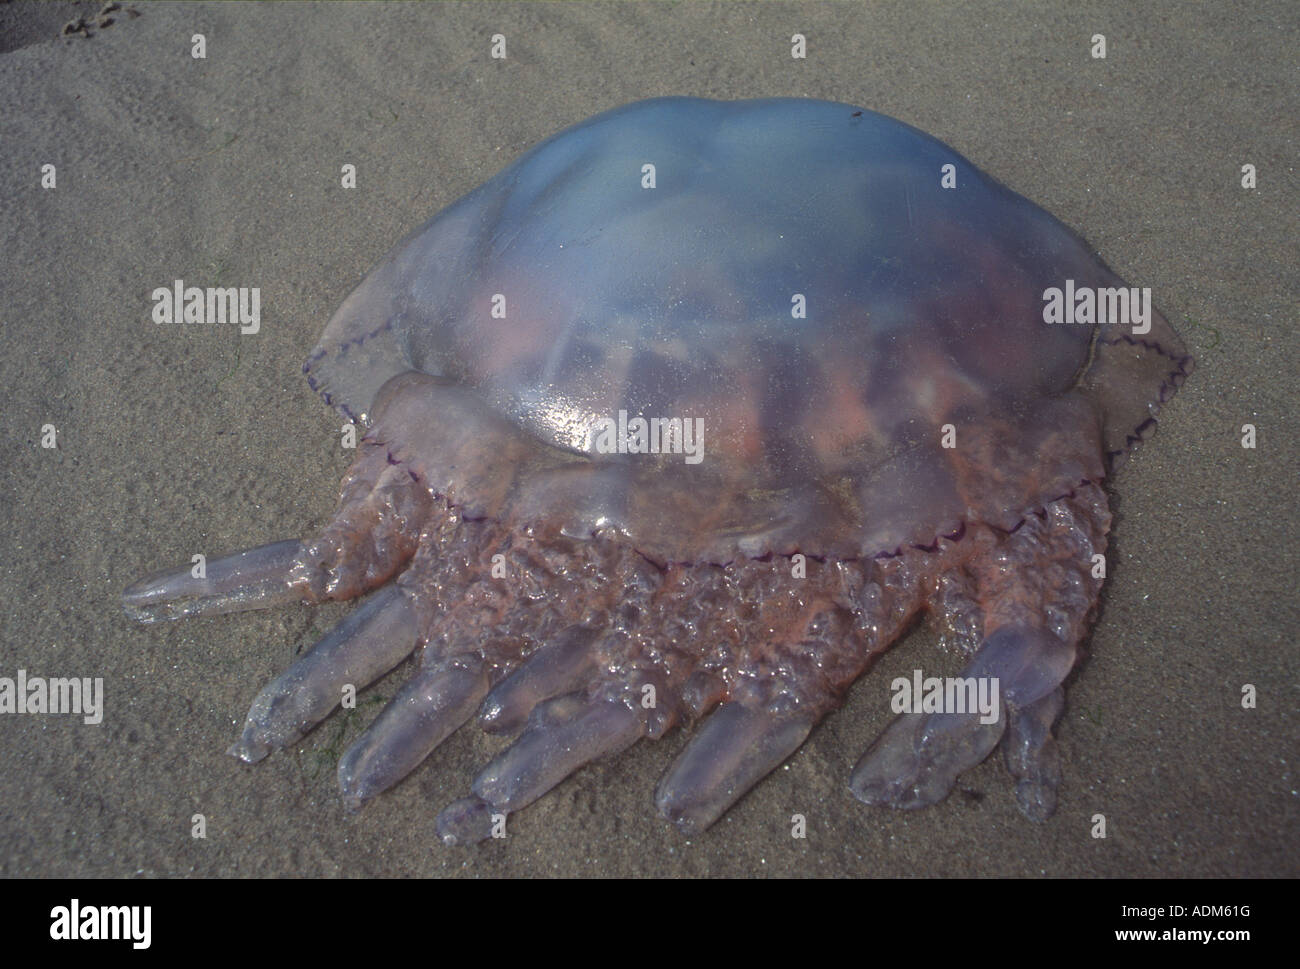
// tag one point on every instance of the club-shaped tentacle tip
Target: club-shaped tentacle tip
(251, 747)
(354, 783)
(353, 801)
(735, 748)
(257, 578)
(468, 821)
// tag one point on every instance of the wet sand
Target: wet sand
(174, 439)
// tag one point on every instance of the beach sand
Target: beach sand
(174, 439)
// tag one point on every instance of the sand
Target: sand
(174, 439)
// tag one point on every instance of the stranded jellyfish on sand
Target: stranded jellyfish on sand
(836, 330)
